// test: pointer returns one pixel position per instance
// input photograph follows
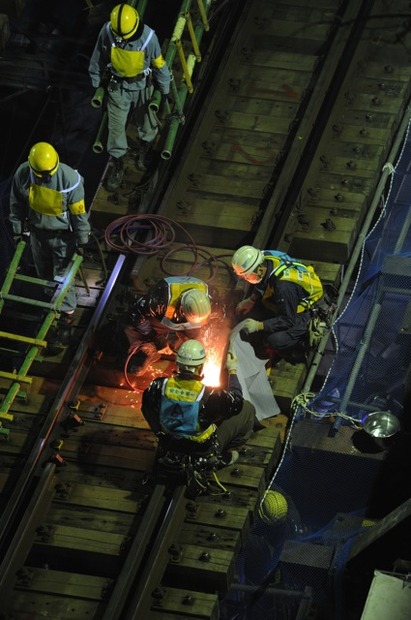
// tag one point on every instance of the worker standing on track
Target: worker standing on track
(278, 308)
(181, 406)
(126, 53)
(47, 206)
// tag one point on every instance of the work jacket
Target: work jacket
(131, 60)
(161, 306)
(214, 405)
(56, 206)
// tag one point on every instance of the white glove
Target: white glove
(251, 326)
(231, 361)
(245, 306)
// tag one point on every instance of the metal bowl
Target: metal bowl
(381, 424)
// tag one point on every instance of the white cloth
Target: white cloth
(252, 375)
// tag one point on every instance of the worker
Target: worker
(182, 407)
(173, 310)
(278, 308)
(47, 207)
(127, 53)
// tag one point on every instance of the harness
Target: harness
(115, 44)
(291, 270)
(186, 454)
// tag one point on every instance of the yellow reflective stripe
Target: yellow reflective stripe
(204, 435)
(77, 208)
(158, 62)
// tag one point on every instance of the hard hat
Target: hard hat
(43, 159)
(124, 21)
(191, 355)
(273, 507)
(245, 261)
(195, 305)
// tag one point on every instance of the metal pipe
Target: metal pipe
(386, 172)
(98, 97)
(183, 90)
(98, 146)
(174, 125)
(11, 272)
(357, 365)
(176, 122)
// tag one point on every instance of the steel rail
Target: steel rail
(68, 391)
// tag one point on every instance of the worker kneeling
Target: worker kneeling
(175, 309)
(197, 426)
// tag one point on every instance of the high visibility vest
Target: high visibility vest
(180, 406)
(128, 63)
(285, 267)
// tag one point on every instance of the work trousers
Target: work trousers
(120, 103)
(283, 338)
(238, 428)
(52, 252)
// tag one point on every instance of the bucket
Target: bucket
(381, 424)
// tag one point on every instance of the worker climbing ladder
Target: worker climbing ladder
(38, 342)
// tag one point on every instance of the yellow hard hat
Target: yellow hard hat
(196, 305)
(124, 21)
(43, 159)
(273, 507)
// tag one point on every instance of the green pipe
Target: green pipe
(32, 280)
(174, 125)
(181, 98)
(11, 271)
(27, 301)
(98, 97)
(98, 146)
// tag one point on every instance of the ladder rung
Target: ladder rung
(6, 416)
(23, 278)
(26, 339)
(16, 377)
(30, 302)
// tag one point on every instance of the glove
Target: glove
(245, 306)
(231, 361)
(250, 326)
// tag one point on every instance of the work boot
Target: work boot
(116, 174)
(144, 156)
(64, 328)
(145, 355)
(60, 336)
(229, 457)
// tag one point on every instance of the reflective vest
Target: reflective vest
(177, 285)
(128, 63)
(291, 270)
(49, 201)
(180, 407)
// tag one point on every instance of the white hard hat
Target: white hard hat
(196, 305)
(191, 355)
(246, 260)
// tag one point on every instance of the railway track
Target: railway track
(287, 151)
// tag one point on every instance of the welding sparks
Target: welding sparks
(215, 342)
(211, 372)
